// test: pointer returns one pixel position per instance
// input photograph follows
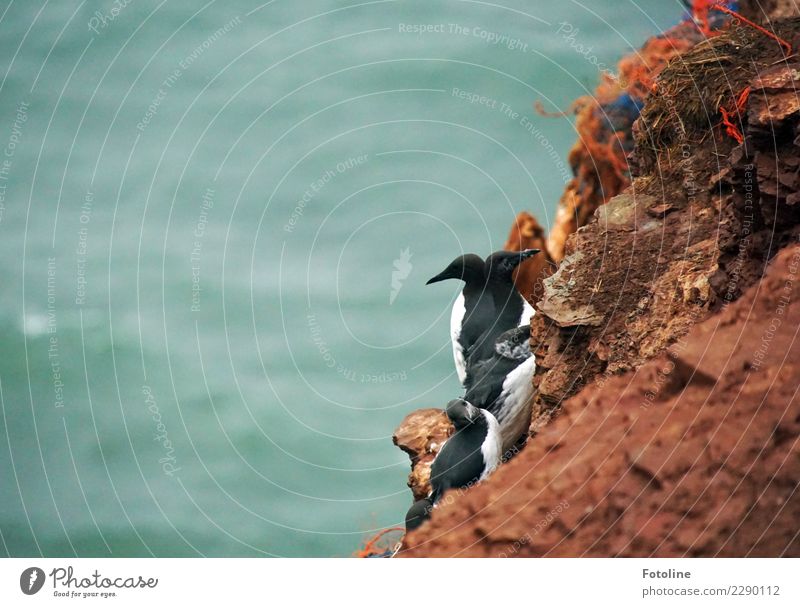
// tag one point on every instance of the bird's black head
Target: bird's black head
(468, 268)
(462, 413)
(419, 512)
(500, 265)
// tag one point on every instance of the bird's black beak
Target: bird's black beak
(528, 253)
(439, 278)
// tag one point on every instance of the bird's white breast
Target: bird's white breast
(492, 447)
(514, 411)
(456, 318)
(527, 313)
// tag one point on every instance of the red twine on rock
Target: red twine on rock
(371, 547)
(766, 32)
(701, 8)
(738, 107)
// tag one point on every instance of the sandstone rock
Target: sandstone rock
(558, 304)
(526, 233)
(421, 435)
(667, 252)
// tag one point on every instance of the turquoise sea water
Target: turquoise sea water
(216, 222)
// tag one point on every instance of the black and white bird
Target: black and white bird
(473, 309)
(488, 305)
(502, 384)
(471, 454)
(511, 310)
(499, 272)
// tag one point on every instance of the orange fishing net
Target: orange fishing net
(604, 122)
(381, 544)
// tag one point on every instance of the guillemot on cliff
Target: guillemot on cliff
(502, 384)
(488, 305)
(511, 310)
(473, 309)
(470, 455)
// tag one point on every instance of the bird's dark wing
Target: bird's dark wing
(485, 381)
(459, 464)
(485, 378)
(419, 512)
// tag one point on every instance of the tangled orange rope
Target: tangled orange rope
(766, 32)
(701, 8)
(369, 547)
(737, 109)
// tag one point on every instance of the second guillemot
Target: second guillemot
(502, 384)
(511, 310)
(470, 455)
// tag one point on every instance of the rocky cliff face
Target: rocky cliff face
(667, 416)
(696, 227)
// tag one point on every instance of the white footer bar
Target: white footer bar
(402, 582)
